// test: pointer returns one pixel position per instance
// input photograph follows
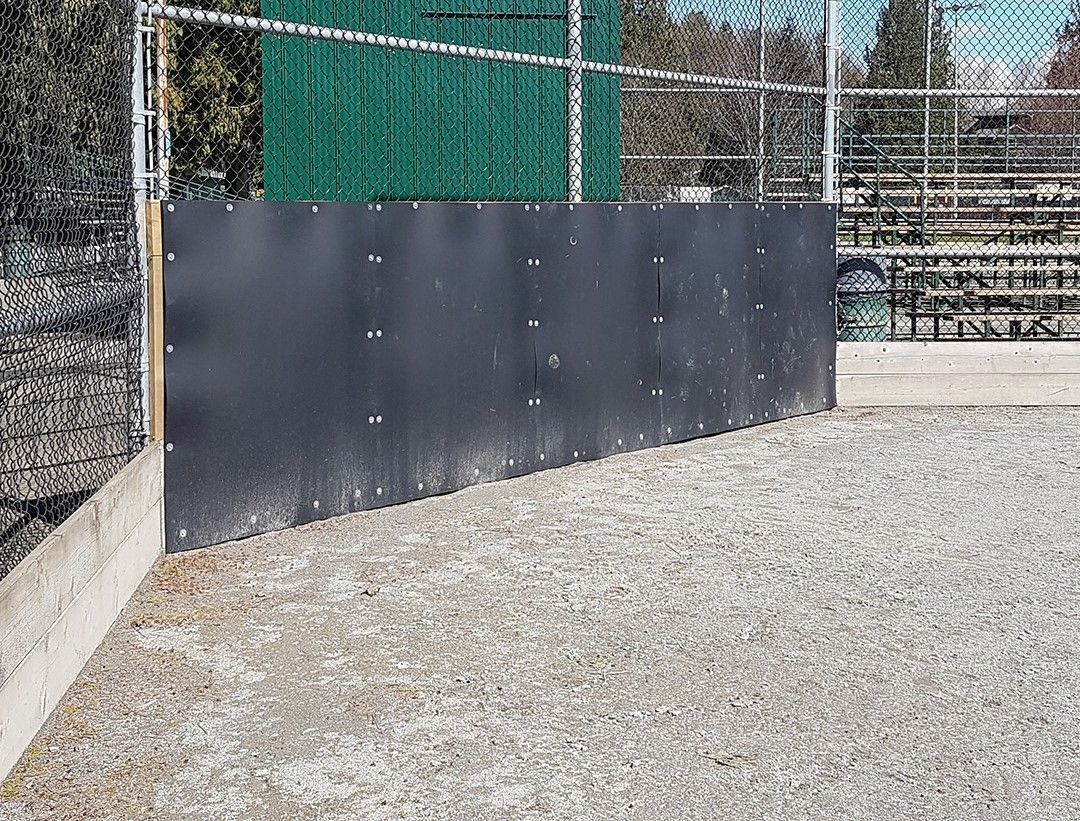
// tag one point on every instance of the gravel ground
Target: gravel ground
(858, 615)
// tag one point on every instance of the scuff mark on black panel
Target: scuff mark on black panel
(331, 357)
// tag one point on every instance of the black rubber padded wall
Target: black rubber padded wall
(333, 357)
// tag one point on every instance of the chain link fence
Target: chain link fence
(947, 130)
(959, 172)
(955, 134)
(489, 100)
(71, 301)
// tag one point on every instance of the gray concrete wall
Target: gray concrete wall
(58, 603)
(957, 373)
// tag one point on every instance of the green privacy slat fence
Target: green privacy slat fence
(349, 122)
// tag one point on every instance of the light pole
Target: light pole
(761, 104)
(957, 9)
(928, 54)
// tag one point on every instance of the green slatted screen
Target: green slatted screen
(358, 123)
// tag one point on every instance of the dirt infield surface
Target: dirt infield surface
(858, 615)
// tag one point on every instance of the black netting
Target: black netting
(71, 291)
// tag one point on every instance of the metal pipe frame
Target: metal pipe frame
(761, 103)
(706, 80)
(574, 104)
(160, 102)
(928, 51)
(829, 149)
(575, 67)
(264, 25)
(730, 157)
(870, 93)
(694, 90)
(141, 127)
(961, 93)
(982, 252)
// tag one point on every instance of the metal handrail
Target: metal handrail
(850, 131)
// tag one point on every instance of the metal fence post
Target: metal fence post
(573, 101)
(140, 124)
(761, 104)
(832, 100)
(928, 45)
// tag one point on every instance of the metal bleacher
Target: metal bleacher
(969, 250)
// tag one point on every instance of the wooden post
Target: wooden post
(156, 313)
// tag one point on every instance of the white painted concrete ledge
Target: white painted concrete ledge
(957, 374)
(58, 603)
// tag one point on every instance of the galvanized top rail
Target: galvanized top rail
(946, 252)
(949, 93)
(393, 42)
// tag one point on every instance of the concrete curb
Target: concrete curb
(60, 601)
(957, 374)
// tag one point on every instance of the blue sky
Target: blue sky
(1003, 33)
(1007, 32)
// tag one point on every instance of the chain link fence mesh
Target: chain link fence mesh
(963, 200)
(958, 147)
(955, 169)
(71, 301)
(958, 173)
(266, 110)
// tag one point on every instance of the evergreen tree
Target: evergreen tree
(898, 60)
(17, 76)
(64, 138)
(650, 37)
(215, 103)
(654, 124)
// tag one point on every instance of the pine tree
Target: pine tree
(650, 37)
(63, 69)
(898, 60)
(655, 124)
(215, 102)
